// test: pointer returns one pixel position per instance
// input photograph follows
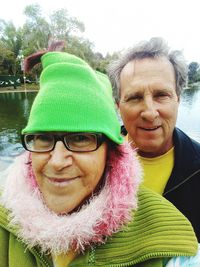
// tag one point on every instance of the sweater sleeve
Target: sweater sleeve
(4, 242)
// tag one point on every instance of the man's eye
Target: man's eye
(134, 98)
(161, 95)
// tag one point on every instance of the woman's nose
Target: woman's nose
(60, 157)
(150, 110)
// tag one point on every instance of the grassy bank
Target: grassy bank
(22, 88)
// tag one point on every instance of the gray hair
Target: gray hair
(155, 47)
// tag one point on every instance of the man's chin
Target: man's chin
(149, 151)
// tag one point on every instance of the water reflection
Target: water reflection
(14, 111)
(189, 113)
(15, 108)
(188, 97)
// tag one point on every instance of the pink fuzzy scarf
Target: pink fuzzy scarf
(104, 214)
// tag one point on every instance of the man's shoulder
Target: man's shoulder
(181, 139)
(150, 201)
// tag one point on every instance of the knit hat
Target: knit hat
(73, 98)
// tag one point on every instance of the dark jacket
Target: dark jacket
(183, 187)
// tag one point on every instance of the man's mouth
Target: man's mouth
(150, 128)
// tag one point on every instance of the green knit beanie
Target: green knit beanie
(73, 98)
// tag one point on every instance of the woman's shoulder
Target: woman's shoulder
(193, 261)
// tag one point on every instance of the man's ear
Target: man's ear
(117, 101)
(117, 105)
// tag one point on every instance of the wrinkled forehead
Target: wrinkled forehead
(144, 65)
(147, 72)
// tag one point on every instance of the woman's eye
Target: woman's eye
(43, 138)
(80, 138)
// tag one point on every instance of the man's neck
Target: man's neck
(150, 154)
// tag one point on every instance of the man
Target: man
(147, 81)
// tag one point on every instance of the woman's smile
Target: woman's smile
(61, 182)
(66, 178)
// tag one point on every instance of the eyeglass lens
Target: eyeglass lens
(75, 141)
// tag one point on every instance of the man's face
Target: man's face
(149, 104)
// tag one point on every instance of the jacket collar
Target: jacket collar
(186, 159)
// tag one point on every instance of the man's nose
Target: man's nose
(60, 157)
(149, 110)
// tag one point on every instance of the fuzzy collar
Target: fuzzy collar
(105, 213)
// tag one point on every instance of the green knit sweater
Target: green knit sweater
(158, 232)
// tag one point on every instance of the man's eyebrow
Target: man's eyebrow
(164, 90)
(134, 93)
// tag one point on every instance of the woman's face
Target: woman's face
(65, 178)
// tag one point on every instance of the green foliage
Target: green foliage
(80, 47)
(36, 30)
(197, 76)
(39, 29)
(6, 57)
(35, 34)
(10, 45)
(102, 62)
(62, 25)
(193, 72)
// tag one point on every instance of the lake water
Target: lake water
(189, 113)
(15, 108)
(14, 112)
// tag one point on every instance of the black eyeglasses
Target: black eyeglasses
(76, 142)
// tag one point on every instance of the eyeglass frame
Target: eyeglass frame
(100, 138)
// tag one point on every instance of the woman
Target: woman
(72, 199)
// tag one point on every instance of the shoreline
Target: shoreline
(20, 89)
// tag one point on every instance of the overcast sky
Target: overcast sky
(116, 24)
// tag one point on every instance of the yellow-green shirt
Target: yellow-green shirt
(63, 260)
(158, 170)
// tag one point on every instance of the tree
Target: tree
(82, 48)
(11, 44)
(62, 25)
(103, 62)
(36, 33)
(36, 30)
(5, 59)
(193, 72)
